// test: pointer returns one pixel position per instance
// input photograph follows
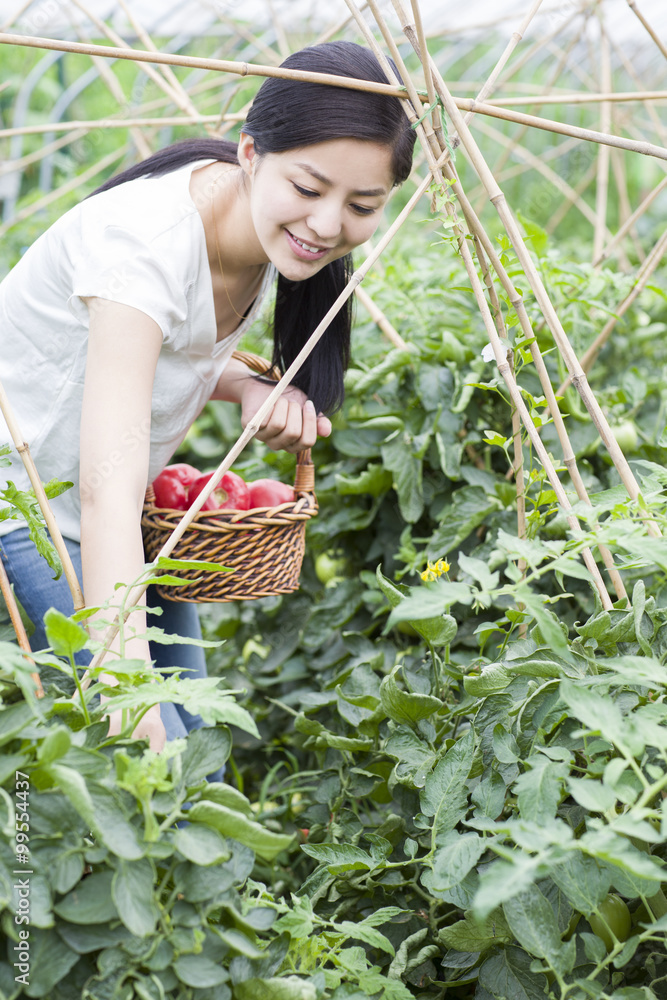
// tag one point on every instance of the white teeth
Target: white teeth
(306, 247)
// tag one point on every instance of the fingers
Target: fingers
(291, 426)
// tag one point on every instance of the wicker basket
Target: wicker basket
(263, 547)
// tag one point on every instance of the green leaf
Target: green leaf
(132, 890)
(207, 749)
(430, 601)
(473, 935)
(582, 880)
(373, 481)
(199, 695)
(402, 706)
(507, 976)
(50, 962)
(533, 922)
(285, 988)
(64, 636)
(201, 845)
(227, 795)
(591, 794)
(445, 795)
(597, 711)
(233, 824)
(399, 458)
(199, 971)
(340, 858)
(166, 562)
(363, 931)
(452, 862)
(90, 902)
(470, 506)
(540, 788)
(56, 745)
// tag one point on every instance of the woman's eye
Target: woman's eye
(362, 210)
(305, 191)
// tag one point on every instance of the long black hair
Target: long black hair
(289, 114)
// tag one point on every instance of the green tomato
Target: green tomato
(329, 566)
(617, 919)
(626, 436)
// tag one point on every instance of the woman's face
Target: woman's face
(312, 205)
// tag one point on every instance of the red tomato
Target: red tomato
(184, 472)
(231, 493)
(270, 493)
(170, 491)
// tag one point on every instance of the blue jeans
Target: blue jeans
(38, 591)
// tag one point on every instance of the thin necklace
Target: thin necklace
(222, 273)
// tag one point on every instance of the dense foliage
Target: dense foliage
(446, 763)
(444, 776)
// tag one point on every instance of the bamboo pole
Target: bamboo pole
(518, 136)
(255, 423)
(104, 123)
(632, 4)
(508, 375)
(545, 40)
(515, 38)
(379, 318)
(639, 211)
(16, 166)
(643, 276)
(584, 182)
(281, 37)
(330, 33)
(550, 175)
(624, 206)
(156, 77)
(517, 302)
(221, 65)
(249, 69)
(600, 230)
(580, 97)
(17, 622)
(23, 449)
(577, 375)
(548, 125)
(436, 121)
(114, 86)
(167, 72)
(70, 185)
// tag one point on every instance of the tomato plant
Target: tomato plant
(611, 921)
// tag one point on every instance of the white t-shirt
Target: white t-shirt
(141, 243)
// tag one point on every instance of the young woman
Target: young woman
(119, 323)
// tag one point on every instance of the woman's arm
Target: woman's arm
(123, 348)
(291, 425)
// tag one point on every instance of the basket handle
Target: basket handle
(304, 478)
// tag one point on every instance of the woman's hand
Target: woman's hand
(292, 425)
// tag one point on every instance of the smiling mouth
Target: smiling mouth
(311, 247)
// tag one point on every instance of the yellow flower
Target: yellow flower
(434, 570)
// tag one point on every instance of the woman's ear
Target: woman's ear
(247, 154)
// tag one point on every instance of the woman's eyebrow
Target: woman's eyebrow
(372, 193)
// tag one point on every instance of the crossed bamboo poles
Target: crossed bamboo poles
(435, 146)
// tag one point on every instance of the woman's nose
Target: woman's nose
(325, 221)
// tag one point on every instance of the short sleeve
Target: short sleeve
(115, 263)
